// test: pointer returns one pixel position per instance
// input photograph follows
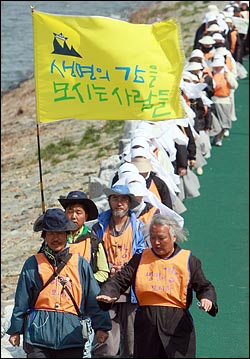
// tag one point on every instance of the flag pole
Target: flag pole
(39, 151)
(40, 168)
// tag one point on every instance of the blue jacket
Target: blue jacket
(50, 328)
(137, 241)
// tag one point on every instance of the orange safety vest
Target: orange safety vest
(163, 282)
(147, 216)
(208, 55)
(222, 87)
(83, 248)
(119, 249)
(229, 62)
(154, 189)
(52, 297)
(233, 38)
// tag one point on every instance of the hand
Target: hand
(191, 163)
(14, 340)
(114, 269)
(106, 298)
(182, 171)
(206, 304)
(102, 336)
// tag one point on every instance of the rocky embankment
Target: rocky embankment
(21, 193)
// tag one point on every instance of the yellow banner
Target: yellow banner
(97, 68)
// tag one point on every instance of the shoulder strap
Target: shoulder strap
(64, 284)
(58, 270)
(95, 241)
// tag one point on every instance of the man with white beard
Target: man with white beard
(122, 235)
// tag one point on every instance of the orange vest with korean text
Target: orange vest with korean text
(52, 297)
(83, 248)
(222, 87)
(163, 282)
(119, 249)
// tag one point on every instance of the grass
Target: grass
(104, 141)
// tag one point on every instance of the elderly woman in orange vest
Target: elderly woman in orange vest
(52, 328)
(164, 278)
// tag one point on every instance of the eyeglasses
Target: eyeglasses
(121, 199)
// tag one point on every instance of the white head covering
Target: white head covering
(148, 129)
(197, 53)
(186, 75)
(228, 19)
(213, 9)
(140, 141)
(221, 51)
(218, 37)
(192, 66)
(137, 189)
(136, 184)
(218, 62)
(127, 168)
(206, 40)
(214, 27)
(210, 17)
(140, 152)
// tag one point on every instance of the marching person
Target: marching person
(164, 278)
(122, 234)
(79, 209)
(52, 328)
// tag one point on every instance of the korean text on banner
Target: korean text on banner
(97, 68)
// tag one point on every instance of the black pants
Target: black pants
(34, 351)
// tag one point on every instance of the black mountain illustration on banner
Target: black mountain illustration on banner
(63, 49)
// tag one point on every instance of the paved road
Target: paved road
(219, 235)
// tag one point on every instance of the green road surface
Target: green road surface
(218, 227)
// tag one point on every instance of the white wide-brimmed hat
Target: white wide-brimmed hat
(218, 37)
(218, 62)
(193, 66)
(206, 40)
(197, 53)
(214, 27)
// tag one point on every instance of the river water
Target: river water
(17, 31)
